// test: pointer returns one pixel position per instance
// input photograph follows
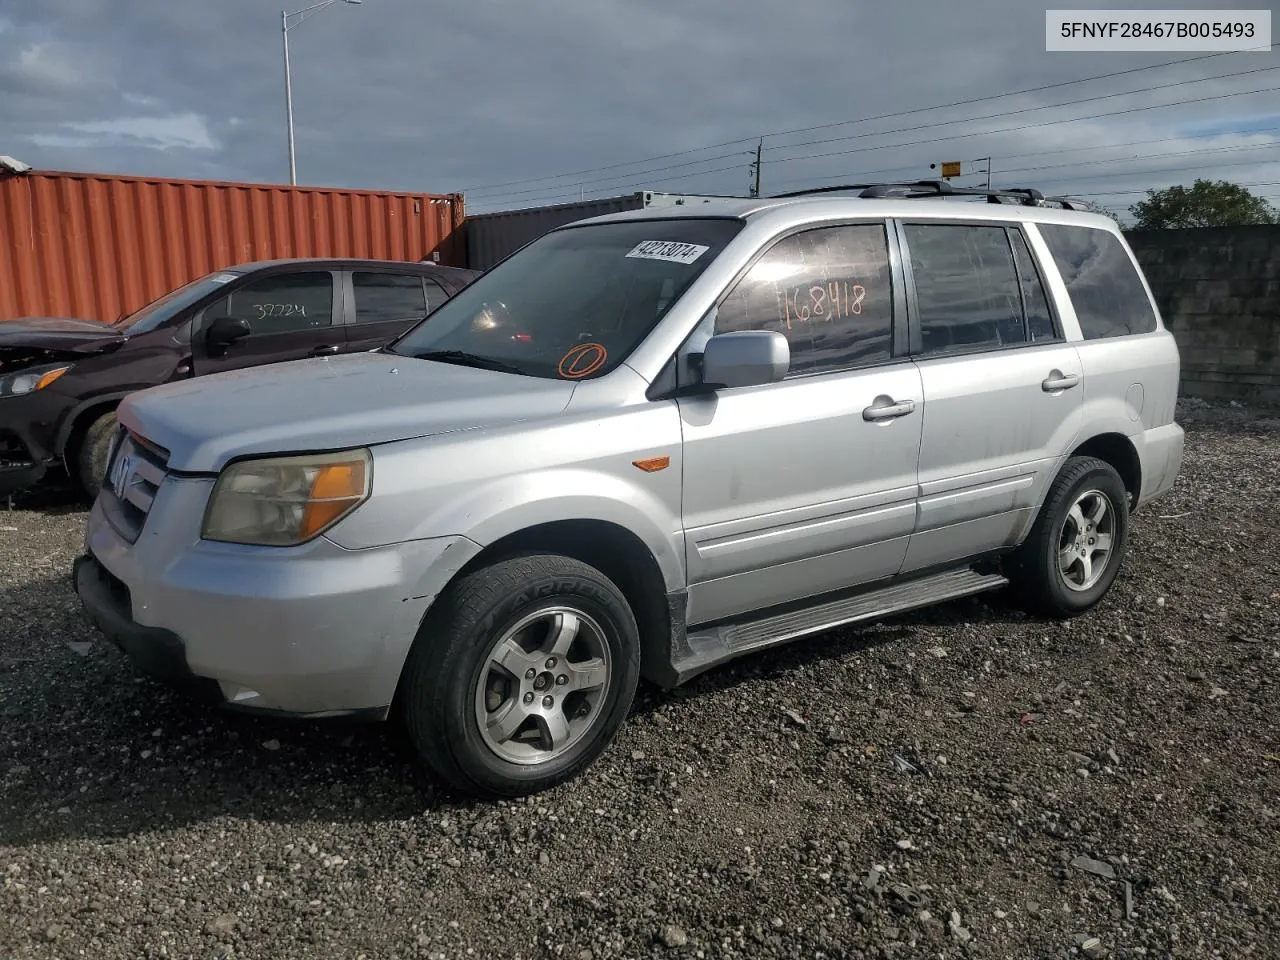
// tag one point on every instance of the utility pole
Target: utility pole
(755, 190)
(988, 173)
(288, 97)
(285, 27)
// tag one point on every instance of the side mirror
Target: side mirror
(224, 331)
(747, 358)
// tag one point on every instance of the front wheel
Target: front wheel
(1076, 546)
(91, 456)
(521, 675)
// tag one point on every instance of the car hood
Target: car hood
(58, 333)
(329, 404)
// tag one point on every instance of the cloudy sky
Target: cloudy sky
(519, 102)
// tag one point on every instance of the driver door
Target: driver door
(292, 315)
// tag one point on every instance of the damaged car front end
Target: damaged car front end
(35, 354)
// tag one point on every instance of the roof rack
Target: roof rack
(914, 189)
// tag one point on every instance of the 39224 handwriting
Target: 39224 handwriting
(837, 300)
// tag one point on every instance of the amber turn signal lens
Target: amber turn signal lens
(653, 464)
(49, 377)
(334, 491)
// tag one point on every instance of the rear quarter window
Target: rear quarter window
(1102, 281)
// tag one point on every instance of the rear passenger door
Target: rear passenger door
(1002, 387)
(806, 486)
(386, 304)
(291, 316)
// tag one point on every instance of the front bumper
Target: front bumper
(314, 630)
(155, 651)
(28, 429)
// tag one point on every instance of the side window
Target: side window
(279, 304)
(435, 295)
(1034, 301)
(967, 291)
(382, 297)
(1101, 280)
(828, 291)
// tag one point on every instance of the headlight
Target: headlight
(285, 501)
(31, 379)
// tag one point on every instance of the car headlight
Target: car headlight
(31, 379)
(285, 501)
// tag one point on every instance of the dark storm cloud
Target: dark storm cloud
(429, 95)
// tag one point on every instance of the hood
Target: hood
(58, 333)
(324, 404)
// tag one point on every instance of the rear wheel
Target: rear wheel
(1074, 551)
(521, 675)
(91, 455)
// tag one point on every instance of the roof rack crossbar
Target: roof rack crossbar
(914, 189)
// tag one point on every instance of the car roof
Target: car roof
(828, 205)
(337, 263)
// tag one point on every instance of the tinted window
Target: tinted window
(288, 301)
(388, 296)
(1102, 281)
(160, 311)
(1034, 301)
(435, 295)
(827, 291)
(967, 291)
(577, 301)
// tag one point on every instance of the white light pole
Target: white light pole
(285, 26)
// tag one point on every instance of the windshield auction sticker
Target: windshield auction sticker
(582, 361)
(668, 250)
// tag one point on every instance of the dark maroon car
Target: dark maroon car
(61, 379)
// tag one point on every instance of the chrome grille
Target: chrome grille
(134, 473)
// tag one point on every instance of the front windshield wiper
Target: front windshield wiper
(464, 359)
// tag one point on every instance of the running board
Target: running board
(711, 646)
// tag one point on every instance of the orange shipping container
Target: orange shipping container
(97, 246)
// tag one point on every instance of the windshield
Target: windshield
(175, 301)
(574, 303)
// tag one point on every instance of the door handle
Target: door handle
(886, 408)
(324, 350)
(1057, 380)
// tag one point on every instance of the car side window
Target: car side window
(1034, 301)
(828, 291)
(435, 294)
(968, 296)
(279, 304)
(1101, 279)
(382, 297)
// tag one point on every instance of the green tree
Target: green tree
(1206, 203)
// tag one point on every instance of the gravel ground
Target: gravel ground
(762, 812)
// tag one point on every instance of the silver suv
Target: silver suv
(643, 445)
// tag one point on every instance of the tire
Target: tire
(1036, 568)
(492, 740)
(91, 454)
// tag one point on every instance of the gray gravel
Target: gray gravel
(964, 782)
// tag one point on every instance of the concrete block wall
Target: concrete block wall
(1219, 293)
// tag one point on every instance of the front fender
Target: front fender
(499, 510)
(488, 511)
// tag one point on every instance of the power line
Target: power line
(927, 126)
(1091, 162)
(1130, 193)
(1027, 126)
(624, 176)
(826, 126)
(1007, 113)
(964, 136)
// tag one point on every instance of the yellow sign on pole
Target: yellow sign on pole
(950, 168)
